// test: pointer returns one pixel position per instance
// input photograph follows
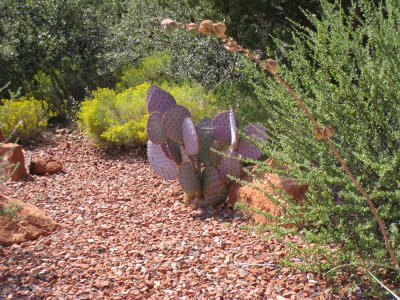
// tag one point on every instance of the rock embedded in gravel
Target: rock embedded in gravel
(28, 222)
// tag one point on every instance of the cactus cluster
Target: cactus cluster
(179, 149)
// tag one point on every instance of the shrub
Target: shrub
(194, 98)
(120, 118)
(155, 68)
(22, 119)
(347, 73)
(112, 117)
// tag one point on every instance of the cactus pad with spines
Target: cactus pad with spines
(174, 151)
(190, 137)
(230, 165)
(234, 130)
(205, 124)
(189, 180)
(246, 148)
(172, 122)
(160, 163)
(214, 190)
(177, 148)
(155, 131)
(221, 128)
(159, 100)
(206, 140)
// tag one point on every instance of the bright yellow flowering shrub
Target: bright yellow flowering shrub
(22, 119)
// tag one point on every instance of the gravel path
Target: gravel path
(126, 234)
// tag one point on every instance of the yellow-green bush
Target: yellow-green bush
(194, 98)
(22, 119)
(155, 68)
(116, 118)
(120, 118)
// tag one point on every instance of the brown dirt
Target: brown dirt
(126, 234)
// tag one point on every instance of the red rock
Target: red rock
(29, 224)
(271, 184)
(15, 157)
(42, 167)
(38, 167)
(53, 167)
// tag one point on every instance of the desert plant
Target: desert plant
(23, 118)
(153, 68)
(120, 118)
(10, 210)
(179, 148)
(115, 118)
(328, 66)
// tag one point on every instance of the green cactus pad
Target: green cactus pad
(215, 158)
(172, 122)
(189, 180)
(155, 131)
(206, 139)
(214, 190)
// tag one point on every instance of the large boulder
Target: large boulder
(24, 222)
(14, 157)
(272, 185)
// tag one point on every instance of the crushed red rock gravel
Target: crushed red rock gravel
(126, 234)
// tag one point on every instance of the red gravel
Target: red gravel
(126, 234)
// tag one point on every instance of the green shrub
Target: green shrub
(120, 118)
(111, 117)
(194, 98)
(347, 72)
(22, 119)
(154, 68)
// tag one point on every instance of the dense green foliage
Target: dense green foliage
(120, 118)
(50, 49)
(347, 73)
(22, 119)
(60, 51)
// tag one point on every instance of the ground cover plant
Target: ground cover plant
(345, 83)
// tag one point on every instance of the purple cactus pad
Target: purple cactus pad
(256, 130)
(172, 122)
(174, 151)
(246, 148)
(234, 131)
(159, 100)
(160, 163)
(221, 128)
(155, 131)
(230, 165)
(190, 137)
(214, 190)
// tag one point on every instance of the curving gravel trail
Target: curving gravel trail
(126, 234)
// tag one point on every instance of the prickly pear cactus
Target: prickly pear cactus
(202, 156)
